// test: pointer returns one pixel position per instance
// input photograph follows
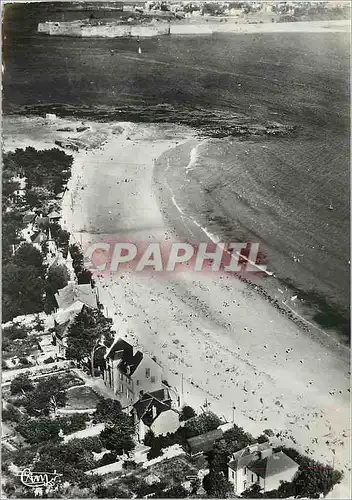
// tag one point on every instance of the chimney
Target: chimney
(166, 396)
(154, 412)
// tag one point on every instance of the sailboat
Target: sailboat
(139, 50)
(330, 206)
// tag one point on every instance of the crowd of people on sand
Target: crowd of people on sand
(258, 404)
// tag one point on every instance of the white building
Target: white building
(154, 412)
(258, 464)
(129, 373)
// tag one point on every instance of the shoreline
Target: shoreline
(236, 337)
(270, 287)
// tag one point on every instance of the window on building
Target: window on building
(121, 376)
(252, 478)
(147, 372)
(127, 393)
(152, 379)
(245, 470)
(137, 382)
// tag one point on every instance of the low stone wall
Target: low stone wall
(79, 29)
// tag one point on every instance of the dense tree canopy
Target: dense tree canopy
(48, 396)
(216, 485)
(57, 278)
(119, 437)
(187, 412)
(88, 328)
(21, 384)
(23, 291)
(108, 410)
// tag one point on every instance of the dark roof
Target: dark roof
(249, 455)
(29, 218)
(161, 394)
(272, 465)
(204, 442)
(148, 408)
(124, 351)
(42, 220)
(60, 330)
(38, 237)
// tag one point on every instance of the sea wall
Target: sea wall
(109, 30)
(101, 30)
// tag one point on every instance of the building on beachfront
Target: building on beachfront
(73, 294)
(258, 464)
(129, 373)
(154, 412)
(204, 442)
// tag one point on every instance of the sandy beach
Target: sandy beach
(254, 365)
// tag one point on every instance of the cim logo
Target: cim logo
(38, 480)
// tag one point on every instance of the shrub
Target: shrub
(187, 413)
(38, 431)
(108, 410)
(91, 444)
(262, 438)
(129, 464)
(49, 360)
(200, 425)
(73, 422)
(154, 452)
(12, 414)
(106, 459)
(24, 361)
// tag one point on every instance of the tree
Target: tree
(262, 439)
(108, 410)
(233, 440)
(23, 291)
(216, 485)
(89, 332)
(49, 395)
(119, 437)
(29, 256)
(21, 384)
(149, 438)
(155, 451)
(57, 278)
(39, 197)
(312, 481)
(201, 424)
(187, 413)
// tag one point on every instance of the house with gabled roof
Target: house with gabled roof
(72, 293)
(129, 373)
(204, 442)
(154, 412)
(259, 464)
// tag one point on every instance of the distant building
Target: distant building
(154, 412)
(130, 374)
(258, 464)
